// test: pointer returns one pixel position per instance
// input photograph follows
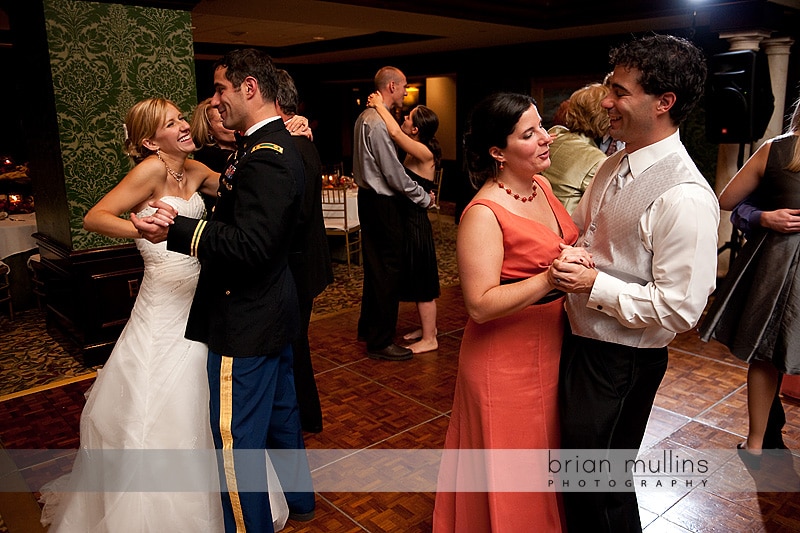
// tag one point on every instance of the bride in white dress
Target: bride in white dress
(152, 394)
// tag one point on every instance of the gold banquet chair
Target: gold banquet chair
(337, 223)
(36, 272)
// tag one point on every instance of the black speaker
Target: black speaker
(739, 100)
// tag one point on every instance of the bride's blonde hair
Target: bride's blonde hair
(141, 123)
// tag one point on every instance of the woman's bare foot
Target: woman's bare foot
(751, 458)
(414, 335)
(424, 345)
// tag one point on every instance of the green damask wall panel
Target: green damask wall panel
(104, 58)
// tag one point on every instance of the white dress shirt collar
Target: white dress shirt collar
(643, 158)
(252, 129)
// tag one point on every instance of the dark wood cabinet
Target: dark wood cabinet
(90, 293)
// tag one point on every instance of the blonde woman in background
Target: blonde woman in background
(214, 141)
(574, 154)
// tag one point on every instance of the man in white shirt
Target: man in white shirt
(650, 220)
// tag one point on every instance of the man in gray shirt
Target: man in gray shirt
(383, 198)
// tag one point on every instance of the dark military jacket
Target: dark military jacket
(310, 260)
(246, 301)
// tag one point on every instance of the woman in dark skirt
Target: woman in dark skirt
(755, 312)
(416, 138)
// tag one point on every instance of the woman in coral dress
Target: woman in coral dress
(507, 386)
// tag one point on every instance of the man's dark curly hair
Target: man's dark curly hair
(667, 64)
(250, 62)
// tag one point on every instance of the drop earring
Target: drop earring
(500, 166)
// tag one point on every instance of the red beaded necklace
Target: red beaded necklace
(517, 196)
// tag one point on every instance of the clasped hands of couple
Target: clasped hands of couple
(573, 270)
(155, 227)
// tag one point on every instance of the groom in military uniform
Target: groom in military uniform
(245, 307)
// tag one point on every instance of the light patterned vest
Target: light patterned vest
(612, 236)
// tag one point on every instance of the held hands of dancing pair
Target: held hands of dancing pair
(155, 227)
(573, 270)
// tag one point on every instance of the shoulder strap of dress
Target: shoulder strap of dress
(499, 211)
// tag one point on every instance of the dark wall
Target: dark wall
(331, 92)
(12, 139)
(552, 69)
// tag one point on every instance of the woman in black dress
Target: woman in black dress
(416, 138)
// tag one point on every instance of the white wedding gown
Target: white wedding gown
(152, 394)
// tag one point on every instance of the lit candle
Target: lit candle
(13, 202)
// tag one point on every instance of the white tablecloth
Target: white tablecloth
(351, 197)
(15, 234)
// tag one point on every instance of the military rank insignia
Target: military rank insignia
(269, 146)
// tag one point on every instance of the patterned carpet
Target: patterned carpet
(31, 357)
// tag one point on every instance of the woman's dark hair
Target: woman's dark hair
(427, 122)
(490, 124)
(287, 96)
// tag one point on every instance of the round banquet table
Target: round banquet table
(16, 246)
(15, 234)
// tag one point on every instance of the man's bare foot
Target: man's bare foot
(413, 336)
(424, 345)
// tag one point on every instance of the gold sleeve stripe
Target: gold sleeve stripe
(198, 230)
(225, 420)
(271, 146)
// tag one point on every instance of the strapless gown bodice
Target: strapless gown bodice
(155, 255)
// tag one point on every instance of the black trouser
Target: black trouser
(304, 383)
(606, 395)
(773, 438)
(382, 243)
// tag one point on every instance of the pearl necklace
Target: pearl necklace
(517, 196)
(177, 175)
